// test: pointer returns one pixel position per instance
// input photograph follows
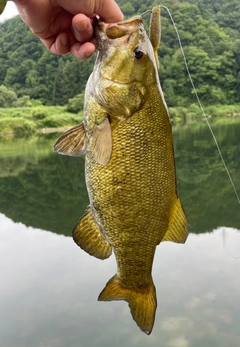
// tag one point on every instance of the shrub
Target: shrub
(17, 125)
(7, 97)
(56, 121)
(23, 101)
(40, 112)
(75, 104)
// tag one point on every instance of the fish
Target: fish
(2, 5)
(126, 136)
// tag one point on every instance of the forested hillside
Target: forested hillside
(210, 37)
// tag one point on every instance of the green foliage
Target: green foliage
(29, 69)
(40, 112)
(17, 125)
(51, 186)
(35, 118)
(128, 9)
(23, 101)
(75, 105)
(28, 120)
(56, 121)
(209, 33)
(7, 97)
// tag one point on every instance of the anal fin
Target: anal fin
(178, 226)
(88, 236)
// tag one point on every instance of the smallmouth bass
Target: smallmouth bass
(130, 171)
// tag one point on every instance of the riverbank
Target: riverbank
(30, 120)
(45, 119)
(194, 113)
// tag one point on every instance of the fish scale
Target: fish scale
(133, 212)
(130, 171)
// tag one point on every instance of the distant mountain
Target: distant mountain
(210, 36)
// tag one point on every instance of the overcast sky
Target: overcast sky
(9, 11)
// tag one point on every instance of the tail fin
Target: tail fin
(142, 302)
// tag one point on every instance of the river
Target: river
(49, 287)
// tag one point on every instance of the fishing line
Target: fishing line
(200, 104)
(148, 11)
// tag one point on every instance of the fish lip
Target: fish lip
(104, 32)
(99, 27)
(100, 34)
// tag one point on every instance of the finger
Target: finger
(59, 44)
(82, 51)
(108, 11)
(82, 28)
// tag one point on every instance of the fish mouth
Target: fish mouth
(104, 32)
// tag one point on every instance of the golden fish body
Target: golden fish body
(130, 171)
(2, 5)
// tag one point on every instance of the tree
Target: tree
(128, 9)
(7, 97)
(209, 33)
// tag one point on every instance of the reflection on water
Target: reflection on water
(49, 287)
(45, 190)
(204, 187)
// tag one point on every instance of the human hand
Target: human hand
(65, 26)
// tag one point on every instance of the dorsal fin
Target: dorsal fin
(155, 31)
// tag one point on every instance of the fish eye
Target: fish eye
(138, 54)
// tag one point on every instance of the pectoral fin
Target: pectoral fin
(88, 236)
(102, 142)
(178, 226)
(72, 142)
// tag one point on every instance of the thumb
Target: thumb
(108, 11)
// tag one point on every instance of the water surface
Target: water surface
(49, 287)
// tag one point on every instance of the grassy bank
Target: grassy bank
(28, 120)
(193, 113)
